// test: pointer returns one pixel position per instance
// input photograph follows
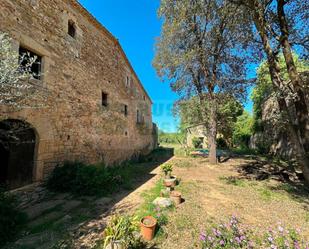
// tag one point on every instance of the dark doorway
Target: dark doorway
(17, 150)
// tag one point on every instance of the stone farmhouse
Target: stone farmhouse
(95, 109)
(197, 132)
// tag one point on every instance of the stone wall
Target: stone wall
(72, 123)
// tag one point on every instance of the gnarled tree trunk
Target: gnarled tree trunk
(295, 132)
(300, 100)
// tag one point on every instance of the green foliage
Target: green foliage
(167, 168)
(232, 180)
(197, 142)
(264, 88)
(11, 219)
(81, 179)
(221, 143)
(148, 208)
(243, 130)
(121, 228)
(169, 138)
(15, 85)
(227, 112)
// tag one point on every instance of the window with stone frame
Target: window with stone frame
(72, 29)
(26, 57)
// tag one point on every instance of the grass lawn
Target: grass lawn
(214, 193)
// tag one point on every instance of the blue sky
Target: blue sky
(136, 25)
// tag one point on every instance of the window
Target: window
(137, 117)
(125, 110)
(128, 82)
(71, 29)
(104, 99)
(30, 62)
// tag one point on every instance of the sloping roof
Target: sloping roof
(99, 26)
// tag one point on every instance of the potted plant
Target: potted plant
(120, 232)
(148, 227)
(167, 169)
(176, 197)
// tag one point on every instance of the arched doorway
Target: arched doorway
(17, 152)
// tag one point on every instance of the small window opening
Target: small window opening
(30, 62)
(139, 117)
(71, 29)
(128, 82)
(104, 99)
(126, 133)
(125, 110)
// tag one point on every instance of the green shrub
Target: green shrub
(11, 219)
(221, 143)
(167, 169)
(81, 179)
(197, 142)
(121, 228)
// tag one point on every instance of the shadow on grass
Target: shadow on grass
(291, 181)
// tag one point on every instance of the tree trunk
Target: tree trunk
(274, 70)
(212, 131)
(300, 101)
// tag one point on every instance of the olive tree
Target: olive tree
(15, 74)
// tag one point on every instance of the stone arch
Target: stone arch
(18, 152)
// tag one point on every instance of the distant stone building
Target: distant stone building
(96, 108)
(197, 132)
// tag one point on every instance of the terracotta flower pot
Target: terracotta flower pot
(176, 197)
(170, 183)
(148, 227)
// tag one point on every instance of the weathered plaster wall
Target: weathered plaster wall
(73, 124)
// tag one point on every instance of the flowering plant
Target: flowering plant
(229, 235)
(160, 216)
(233, 235)
(282, 238)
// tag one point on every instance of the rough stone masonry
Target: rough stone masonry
(96, 109)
